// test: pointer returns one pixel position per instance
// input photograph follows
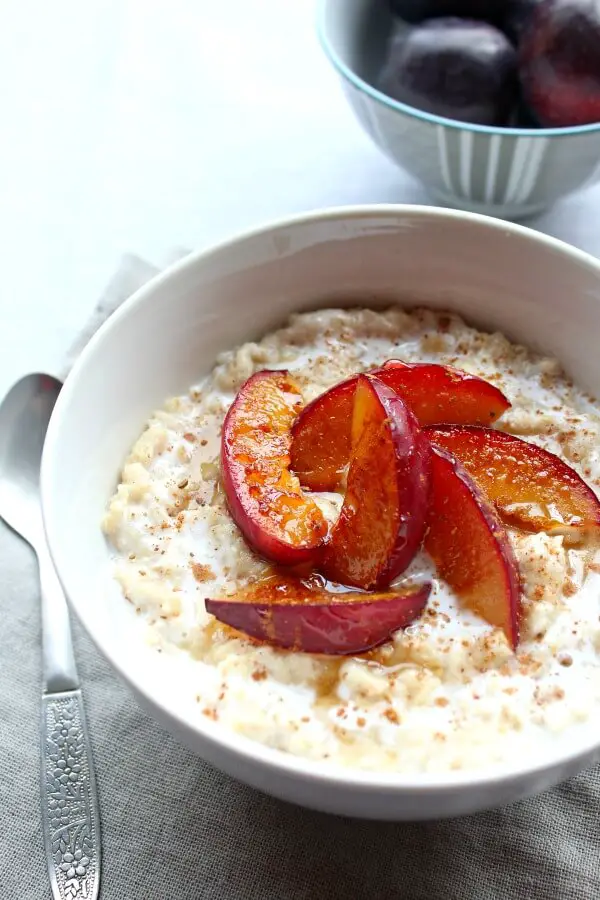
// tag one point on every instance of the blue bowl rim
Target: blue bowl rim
(346, 72)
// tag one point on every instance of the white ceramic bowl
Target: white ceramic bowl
(164, 338)
(507, 172)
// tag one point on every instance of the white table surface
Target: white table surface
(139, 125)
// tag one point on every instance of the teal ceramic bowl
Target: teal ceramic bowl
(507, 172)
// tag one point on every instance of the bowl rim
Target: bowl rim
(431, 118)
(218, 736)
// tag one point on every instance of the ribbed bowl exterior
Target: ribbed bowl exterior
(499, 174)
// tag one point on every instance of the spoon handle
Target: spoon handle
(59, 669)
(70, 812)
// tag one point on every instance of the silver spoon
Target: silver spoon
(71, 821)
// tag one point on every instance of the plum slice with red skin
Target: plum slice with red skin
(321, 438)
(277, 518)
(289, 613)
(383, 517)
(471, 548)
(531, 488)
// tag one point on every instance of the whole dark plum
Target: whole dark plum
(560, 62)
(415, 11)
(455, 68)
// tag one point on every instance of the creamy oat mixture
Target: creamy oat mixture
(447, 693)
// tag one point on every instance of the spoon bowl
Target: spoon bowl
(24, 416)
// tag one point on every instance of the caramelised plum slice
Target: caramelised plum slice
(438, 393)
(531, 488)
(470, 547)
(290, 613)
(382, 520)
(322, 438)
(321, 441)
(266, 501)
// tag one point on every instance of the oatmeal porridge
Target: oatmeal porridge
(448, 691)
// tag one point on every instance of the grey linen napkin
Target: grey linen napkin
(174, 828)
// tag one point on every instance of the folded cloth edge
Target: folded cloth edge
(132, 273)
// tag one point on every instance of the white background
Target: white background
(140, 125)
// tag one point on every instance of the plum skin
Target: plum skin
(324, 623)
(510, 16)
(560, 63)
(383, 517)
(455, 68)
(264, 534)
(415, 11)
